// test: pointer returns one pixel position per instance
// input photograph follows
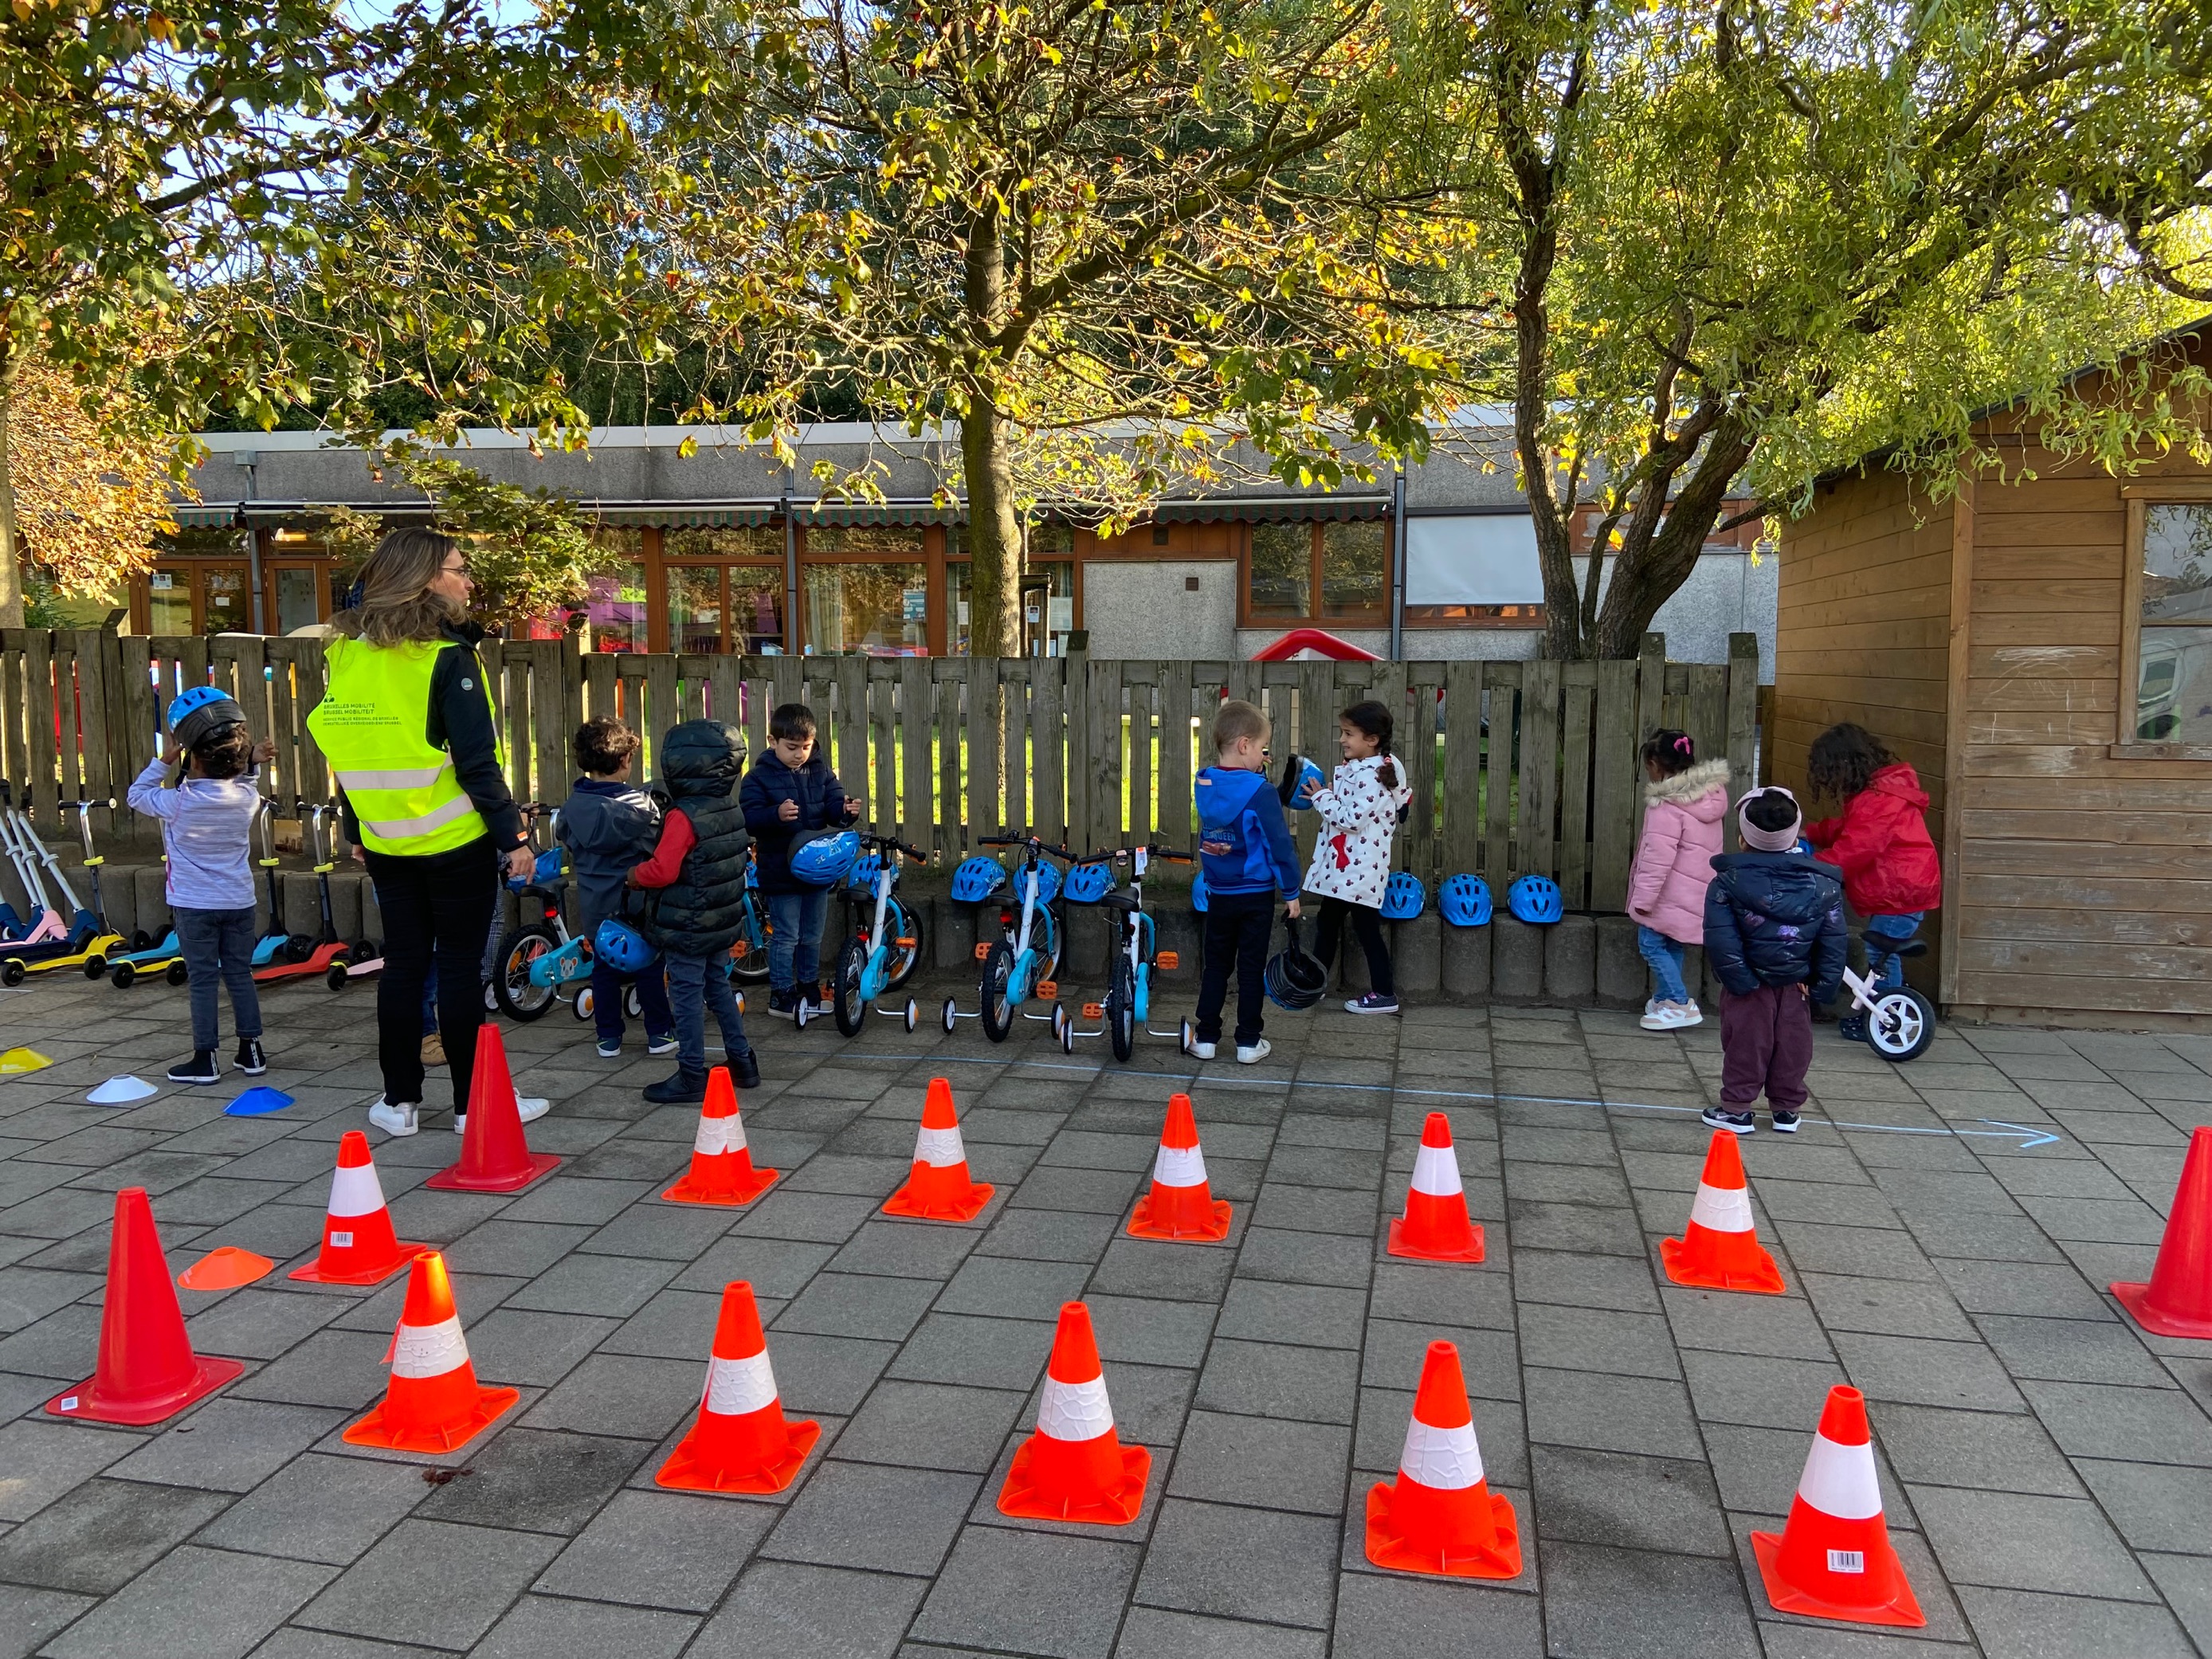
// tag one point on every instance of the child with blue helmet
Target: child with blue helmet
(609, 826)
(1247, 857)
(789, 793)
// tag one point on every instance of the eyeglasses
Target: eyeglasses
(460, 570)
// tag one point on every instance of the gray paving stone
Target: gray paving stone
(2016, 1540)
(1397, 1350)
(545, 1627)
(203, 1601)
(518, 1248)
(321, 1509)
(1099, 1192)
(931, 1426)
(1251, 1460)
(228, 1445)
(29, 1294)
(1309, 1316)
(338, 1368)
(874, 1517)
(777, 1267)
(40, 1459)
(1612, 1413)
(858, 1305)
(1926, 1373)
(2053, 1291)
(2018, 1625)
(1381, 1616)
(782, 1608)
(28, 1617)
(2188, 1591)
(905, 1249)
(536, 1481)
(1150, 1333)
(1270, 1379)
(2153, 1506)
(662, 1549)
(1758, 1388)
(260, 1324)
(1003, 1353)
(1857, 1252)
(615, 1286)
(819, 1217)
(672, 1232)
(1240, 1563)
(1990, 1450)
(1154, 1633)
(2072, 1351)
(1631, 1602)
(1597, 1339)
(826, 1373)
(1315, 1210)
(1445, 1294)
(513, 1345)
(1147, 1267)
(1006, 1288)
(675, 1325)
(1635, 1503)
(1045, 1235)
(567, 1198)
(1030, 1593)
(99, 1536)
(625, 1395)
(431, 1583)
(1583, 1281)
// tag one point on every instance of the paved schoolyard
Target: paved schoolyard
(2045, 1467)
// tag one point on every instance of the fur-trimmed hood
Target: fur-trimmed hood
(1687, 790)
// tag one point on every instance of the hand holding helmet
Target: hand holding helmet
(1301, 778)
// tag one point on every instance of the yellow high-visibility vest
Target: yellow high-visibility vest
(371, 725)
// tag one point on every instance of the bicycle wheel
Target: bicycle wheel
(997, 1007)
(907, 937)
(1121, 1009)
(845, 987)
(510, 986)
(1901, 1026)
(748, 959)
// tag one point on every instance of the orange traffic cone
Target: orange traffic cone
(1179, 1205)
(1832, 1560)
(147, 1370)
(1435, 1227)
(434, 1401)
(496, 1155)
(359, 1247)
(2178, 1300)
(939, 1188)
(722, 1170)
(1720, 1250)
(1439, 1516)
(742, 1441)
(1075, 1467)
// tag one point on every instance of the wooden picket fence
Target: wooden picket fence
(1517, 767)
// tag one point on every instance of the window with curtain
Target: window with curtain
(2174, 656)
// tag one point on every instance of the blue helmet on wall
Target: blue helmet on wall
(821, 858)
(1464, 901)
(1047, 875)
(1088, 882)
(1198, 892)
(1301, 777)
(1536, 899)
(1404, 898)
(621, 947)
(977, 878)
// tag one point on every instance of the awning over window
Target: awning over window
(1273, 509)
(1486, 558)
(687, 515)
(206, 515)
(883, 512)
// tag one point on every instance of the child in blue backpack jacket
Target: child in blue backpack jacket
(1245, 847)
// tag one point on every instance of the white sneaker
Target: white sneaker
(1689, 1014)
(531, 1107)
(1672, 1017)
(1200, 1050)
(1253, 1055)
(393, 1120)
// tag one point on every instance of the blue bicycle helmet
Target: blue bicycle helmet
(545, 872)
(1198, 892)
(863, 876)
(1536, 899)
(977, 879)
(822, 858)
(1404, 898)
(1464, 901)
(201, 711)
(621, 947)
(1088, 882)
(1301, 777)
(1047, 883)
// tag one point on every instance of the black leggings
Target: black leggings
(444, 900)
(1367, 925)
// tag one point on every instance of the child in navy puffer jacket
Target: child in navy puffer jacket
(1774, 934)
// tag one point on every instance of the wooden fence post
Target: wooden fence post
(1743, 723)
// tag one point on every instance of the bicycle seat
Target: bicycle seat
(1118, 902)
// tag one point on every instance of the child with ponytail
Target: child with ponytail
(1360, 809)
(1684, 800)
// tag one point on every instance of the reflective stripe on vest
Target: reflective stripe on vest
(371, 725)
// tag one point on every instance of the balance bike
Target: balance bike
(1128, 1006)
(880, 955)
(534, 959)
(325, 950)
(1022, 961)
(1900, 1023)
(90, 942)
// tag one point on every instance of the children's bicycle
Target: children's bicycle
(1022, 961)
(1899, 1023)
(535, 959)
(749, 956)
(883, 944)
(1128, 1006)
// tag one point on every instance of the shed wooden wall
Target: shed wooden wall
(1863, 634)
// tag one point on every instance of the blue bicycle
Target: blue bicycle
(1128, 1006)
(879, 955)
(1023, 961)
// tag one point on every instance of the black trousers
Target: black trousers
(1367, 927)
(1238, 927)
(444, 902)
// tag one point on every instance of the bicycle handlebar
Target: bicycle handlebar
(893, 841)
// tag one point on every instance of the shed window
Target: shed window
(2173, 676)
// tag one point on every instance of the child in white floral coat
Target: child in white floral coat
(1359, 813)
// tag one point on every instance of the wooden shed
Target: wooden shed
(2041, 652)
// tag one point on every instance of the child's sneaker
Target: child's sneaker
(394, 1119)
(1719, 1117)
(660, 1045)
(1199, 1051)
(1373, 1003)
(528, 1108)
(200, 1068)
(1254, 1053)
(783, 1004)
(250, 1059)
(1785, 1123)
(1671, 1017)
(610, 1048)
(682, 1089)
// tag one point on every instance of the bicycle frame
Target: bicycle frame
(1137, 949)
(1022, 981)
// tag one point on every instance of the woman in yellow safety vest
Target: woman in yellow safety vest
(410, 731)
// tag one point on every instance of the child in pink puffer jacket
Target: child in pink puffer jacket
(1684, 802)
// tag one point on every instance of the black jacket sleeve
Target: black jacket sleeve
(1725, 942)
(460, 722)
(1831, 951)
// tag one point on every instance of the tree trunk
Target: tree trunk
(11, 565)
(994, 532)
(1654, 564)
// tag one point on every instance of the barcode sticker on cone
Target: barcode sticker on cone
(342, 1241)
(1846, 1560)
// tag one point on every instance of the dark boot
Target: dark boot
(745, 1069)
(683, 1089)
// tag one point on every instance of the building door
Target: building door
(296, 596)
(169, 601)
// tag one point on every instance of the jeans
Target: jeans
(1665, 955)
(607, 982)
(1883, 934)
(794, 947)
(1766, 1042)
(1367, 929)
(696, 984)
(440, 904)
(1238, 928)
(219, 942)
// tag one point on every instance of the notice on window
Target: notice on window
(1483, 558)
(914, 605)
(1060, 615)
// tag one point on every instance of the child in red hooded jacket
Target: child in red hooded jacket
(1881, 843)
